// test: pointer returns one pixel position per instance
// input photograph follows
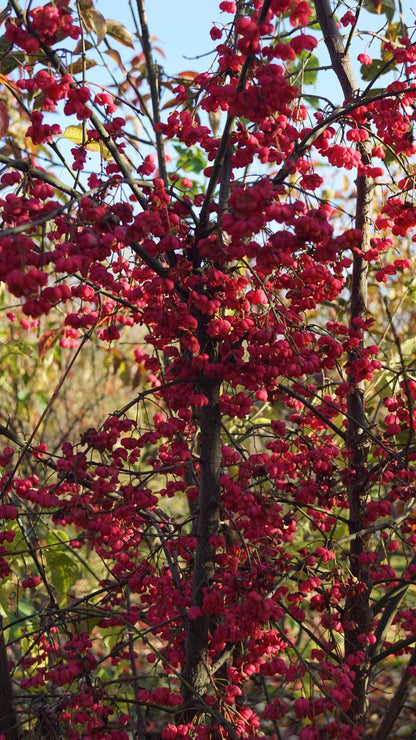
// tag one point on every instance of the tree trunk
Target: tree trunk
(196, 673)
(357, 618)
(8, 722)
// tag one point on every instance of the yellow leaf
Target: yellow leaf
(392, 34)
(76, 134)
(8, 83)
(81, 64)
(83, 45)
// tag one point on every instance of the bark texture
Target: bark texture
(196, 672)
(8, 721)
(358, 616)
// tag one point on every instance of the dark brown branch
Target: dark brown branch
(339, 114)
(8, 722)
(225, 140)
(358, 616)
(154, 88)
(60, 67)
(26, 167)
(293, 394)
(196, 672)
(396, 705)
(394, 649)
(155, 265)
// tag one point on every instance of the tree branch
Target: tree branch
(396, 705)
(8, 721)
(154, 89)
(358, 616)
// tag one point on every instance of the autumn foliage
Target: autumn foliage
(208, 400)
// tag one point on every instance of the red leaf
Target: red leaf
(46, 341)
(4, 119)
(187, 75)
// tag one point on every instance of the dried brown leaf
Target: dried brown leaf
(117, 58)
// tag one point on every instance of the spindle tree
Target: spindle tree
(207, 336)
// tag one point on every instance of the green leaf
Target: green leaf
(314, 101)
(191, 160)
(43, 400)
(385, 382)
(9, 61)
(181, 150)
(112, 636)
(5, 591)
(63, 570)
(382, 385)
(411, 289)
(15, 347)
(408, 350)
(387, 7)
(377, 68)
(4, 13)
(120, 33)
(308, 62)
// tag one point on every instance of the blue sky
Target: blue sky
(182, 29)
(181, 26)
